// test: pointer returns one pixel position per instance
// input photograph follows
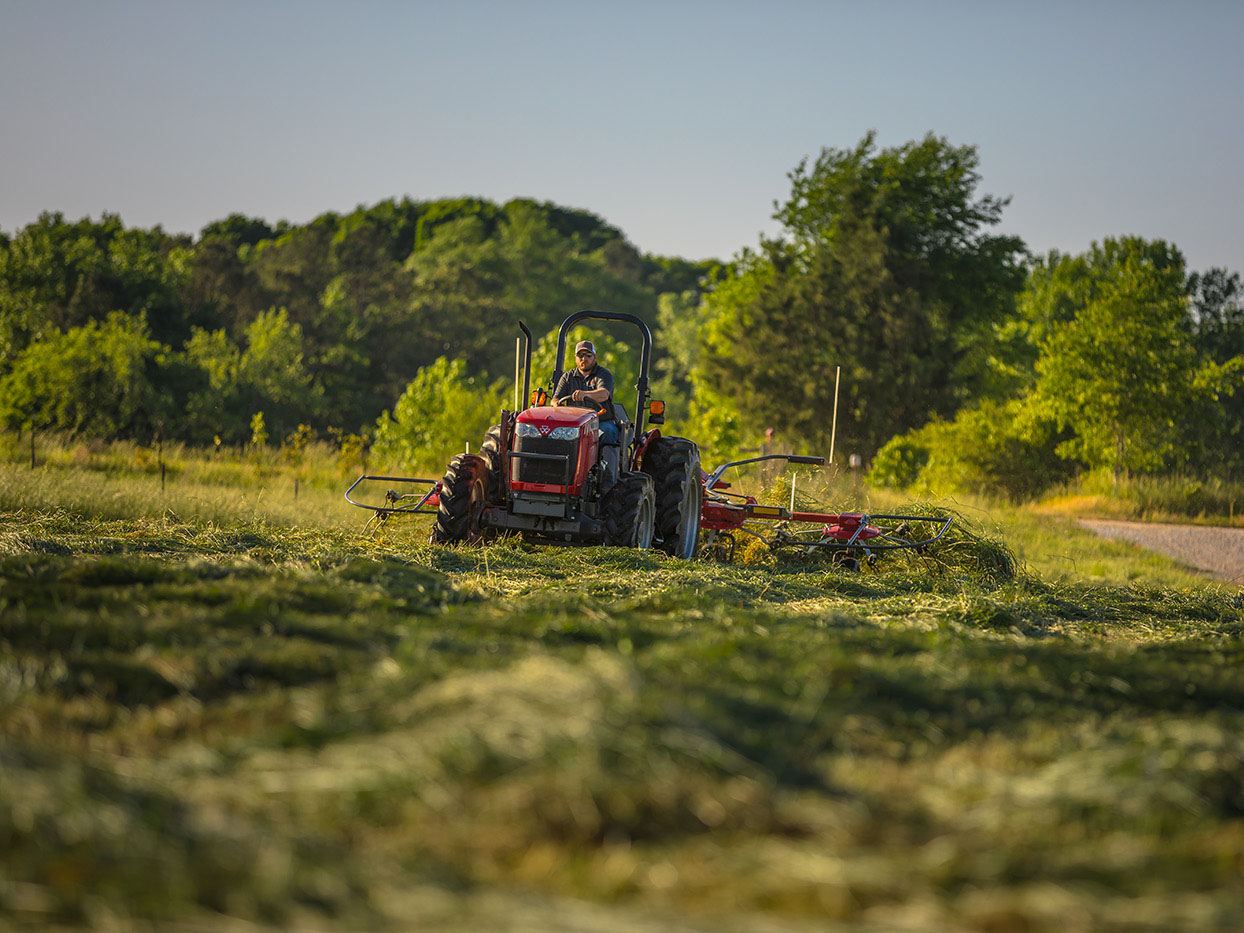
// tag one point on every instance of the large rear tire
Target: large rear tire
(674, 465)
(630, 512)
(465, 492)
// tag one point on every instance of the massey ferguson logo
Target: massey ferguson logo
(545, 429)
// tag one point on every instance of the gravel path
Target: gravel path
(1217, 551)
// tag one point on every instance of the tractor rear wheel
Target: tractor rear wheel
(674, 465)
(630, 512)
(465, 491)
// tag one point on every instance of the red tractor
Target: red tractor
(544, 472)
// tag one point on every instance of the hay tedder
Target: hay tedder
(846, 537)
(543, 472)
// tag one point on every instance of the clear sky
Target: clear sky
(676, 121)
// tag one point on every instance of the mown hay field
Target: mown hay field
(225, 707)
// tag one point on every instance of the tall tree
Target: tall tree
(886, 266)
(1122, 372)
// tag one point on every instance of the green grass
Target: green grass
(1173, 498)
(220, 705)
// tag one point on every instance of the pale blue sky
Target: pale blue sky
(676, 121)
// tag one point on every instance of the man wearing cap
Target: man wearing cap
(590, 385)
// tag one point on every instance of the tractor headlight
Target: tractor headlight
(557, 434)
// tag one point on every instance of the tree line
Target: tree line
(115, 331)
(966, 360)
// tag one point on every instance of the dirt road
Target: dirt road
(1217, 551)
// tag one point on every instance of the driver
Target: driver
(589, 385)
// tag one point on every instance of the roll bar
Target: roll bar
(645, 356)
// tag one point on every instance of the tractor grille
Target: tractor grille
(545, 471)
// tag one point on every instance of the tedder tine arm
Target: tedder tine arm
(432, 484)
(715, 476)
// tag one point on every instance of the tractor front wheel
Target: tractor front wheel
(465, 491)
(630, 512)
(490, 450)
(674, 465)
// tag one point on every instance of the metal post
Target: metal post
(518, 369)
(833, 431)
(792, 490)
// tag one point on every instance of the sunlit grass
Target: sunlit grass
(217, 701)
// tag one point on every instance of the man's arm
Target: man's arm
(604, 391)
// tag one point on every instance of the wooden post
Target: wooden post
(32, 446)
(295, 487)
(160, 456)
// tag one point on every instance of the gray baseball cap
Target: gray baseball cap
(585, 345)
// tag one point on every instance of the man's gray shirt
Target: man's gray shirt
(598, 378)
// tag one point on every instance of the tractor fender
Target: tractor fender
(637, 461)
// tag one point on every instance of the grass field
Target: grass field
(223, 707)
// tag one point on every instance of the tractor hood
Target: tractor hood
(547, 416)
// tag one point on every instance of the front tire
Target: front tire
(630, 512)
(490, 450)
(465, 492)
(674, 465)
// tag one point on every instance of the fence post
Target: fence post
(32, 446)
(160, 456)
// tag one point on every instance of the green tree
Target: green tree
(441, 411)
(269, 375)
(96, 380)
(989, 448)
(1218, 313)
(1122, 372)
(886, 266)
(56, 275)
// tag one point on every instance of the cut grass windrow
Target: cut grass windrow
(207, 719)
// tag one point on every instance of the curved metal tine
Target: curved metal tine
(944, 524)
(390, 495)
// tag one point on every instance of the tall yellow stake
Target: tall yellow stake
(833, 431)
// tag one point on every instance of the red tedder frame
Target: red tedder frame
(858, 534)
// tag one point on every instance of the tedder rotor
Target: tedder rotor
(847, 537)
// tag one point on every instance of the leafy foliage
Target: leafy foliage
(987, 448)
(888, 264)
(362, 300)
(95, 380)
(1121, 373)
(886, 268)
(441, 410)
